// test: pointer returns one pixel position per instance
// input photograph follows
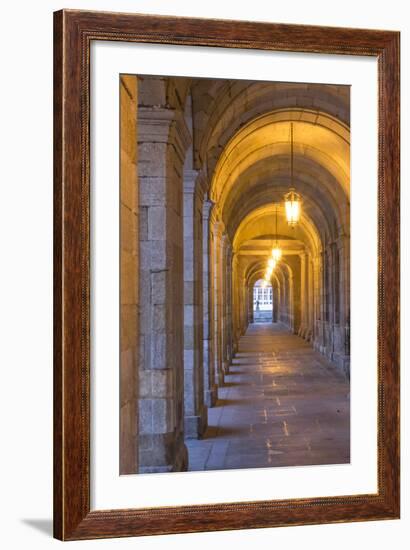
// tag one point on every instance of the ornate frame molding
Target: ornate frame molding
(73, 33)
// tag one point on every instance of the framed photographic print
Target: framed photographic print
(226, 336)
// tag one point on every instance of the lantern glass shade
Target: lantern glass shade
(292, 207)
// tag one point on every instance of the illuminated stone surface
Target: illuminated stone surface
(282, 404)
(205, 165)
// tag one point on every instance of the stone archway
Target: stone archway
(262, 302)
(209, 169)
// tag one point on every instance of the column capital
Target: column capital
(207, 208)
(162, 125)
(154, 123)
(190, 177)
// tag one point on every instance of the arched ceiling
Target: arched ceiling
(241, 147)
(257, 232)
(256, 271)
(268, 180)
(320, 138)
(241, 142)
(222, 107)
(253, 174)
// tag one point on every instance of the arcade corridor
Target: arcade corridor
(234, 273)
(282, 404)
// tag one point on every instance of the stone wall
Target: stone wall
(129, 265)
(162, 142)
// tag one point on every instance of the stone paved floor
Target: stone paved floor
(282, 404)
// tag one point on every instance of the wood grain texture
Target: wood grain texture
(73, 32)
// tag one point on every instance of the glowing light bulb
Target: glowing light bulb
(292, 207)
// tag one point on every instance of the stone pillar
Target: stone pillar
(304, 289)
(292, 286)
(250, 300)
(275, 301)
(235, 303)
(319, 294)
(291, 303)
(344, 267)
(210, 389)
(225, 302)
(162, 141)
(129, 252)
(311, 318)
(245, 305)
(342, 352)
(216, 261)
(228, 301)
(195, 409)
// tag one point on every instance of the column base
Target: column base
(211, 396)
(162, 453)
(221, 377)
(195, 425)
(342, 362)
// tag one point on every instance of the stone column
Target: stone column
(216, 260)
(275, 301)
(245, 305)
(195, 409)
(342, 351)
(235, 303)
(162, 141)
(291, 303)
(225, 301)
(319, 294)
(228, 300)
(311, 318)
(250, 299)
(303, 295)
(210, 389)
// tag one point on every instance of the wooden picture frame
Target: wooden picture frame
(73, 33)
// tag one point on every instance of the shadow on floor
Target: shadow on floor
(229, 402)
(45, 526)
(221, 431)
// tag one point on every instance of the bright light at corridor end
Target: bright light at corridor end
(271, 263)
(269, 270)
(276, 254)
(292, 207)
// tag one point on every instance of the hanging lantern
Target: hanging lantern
(292, 207)
(292, 199)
